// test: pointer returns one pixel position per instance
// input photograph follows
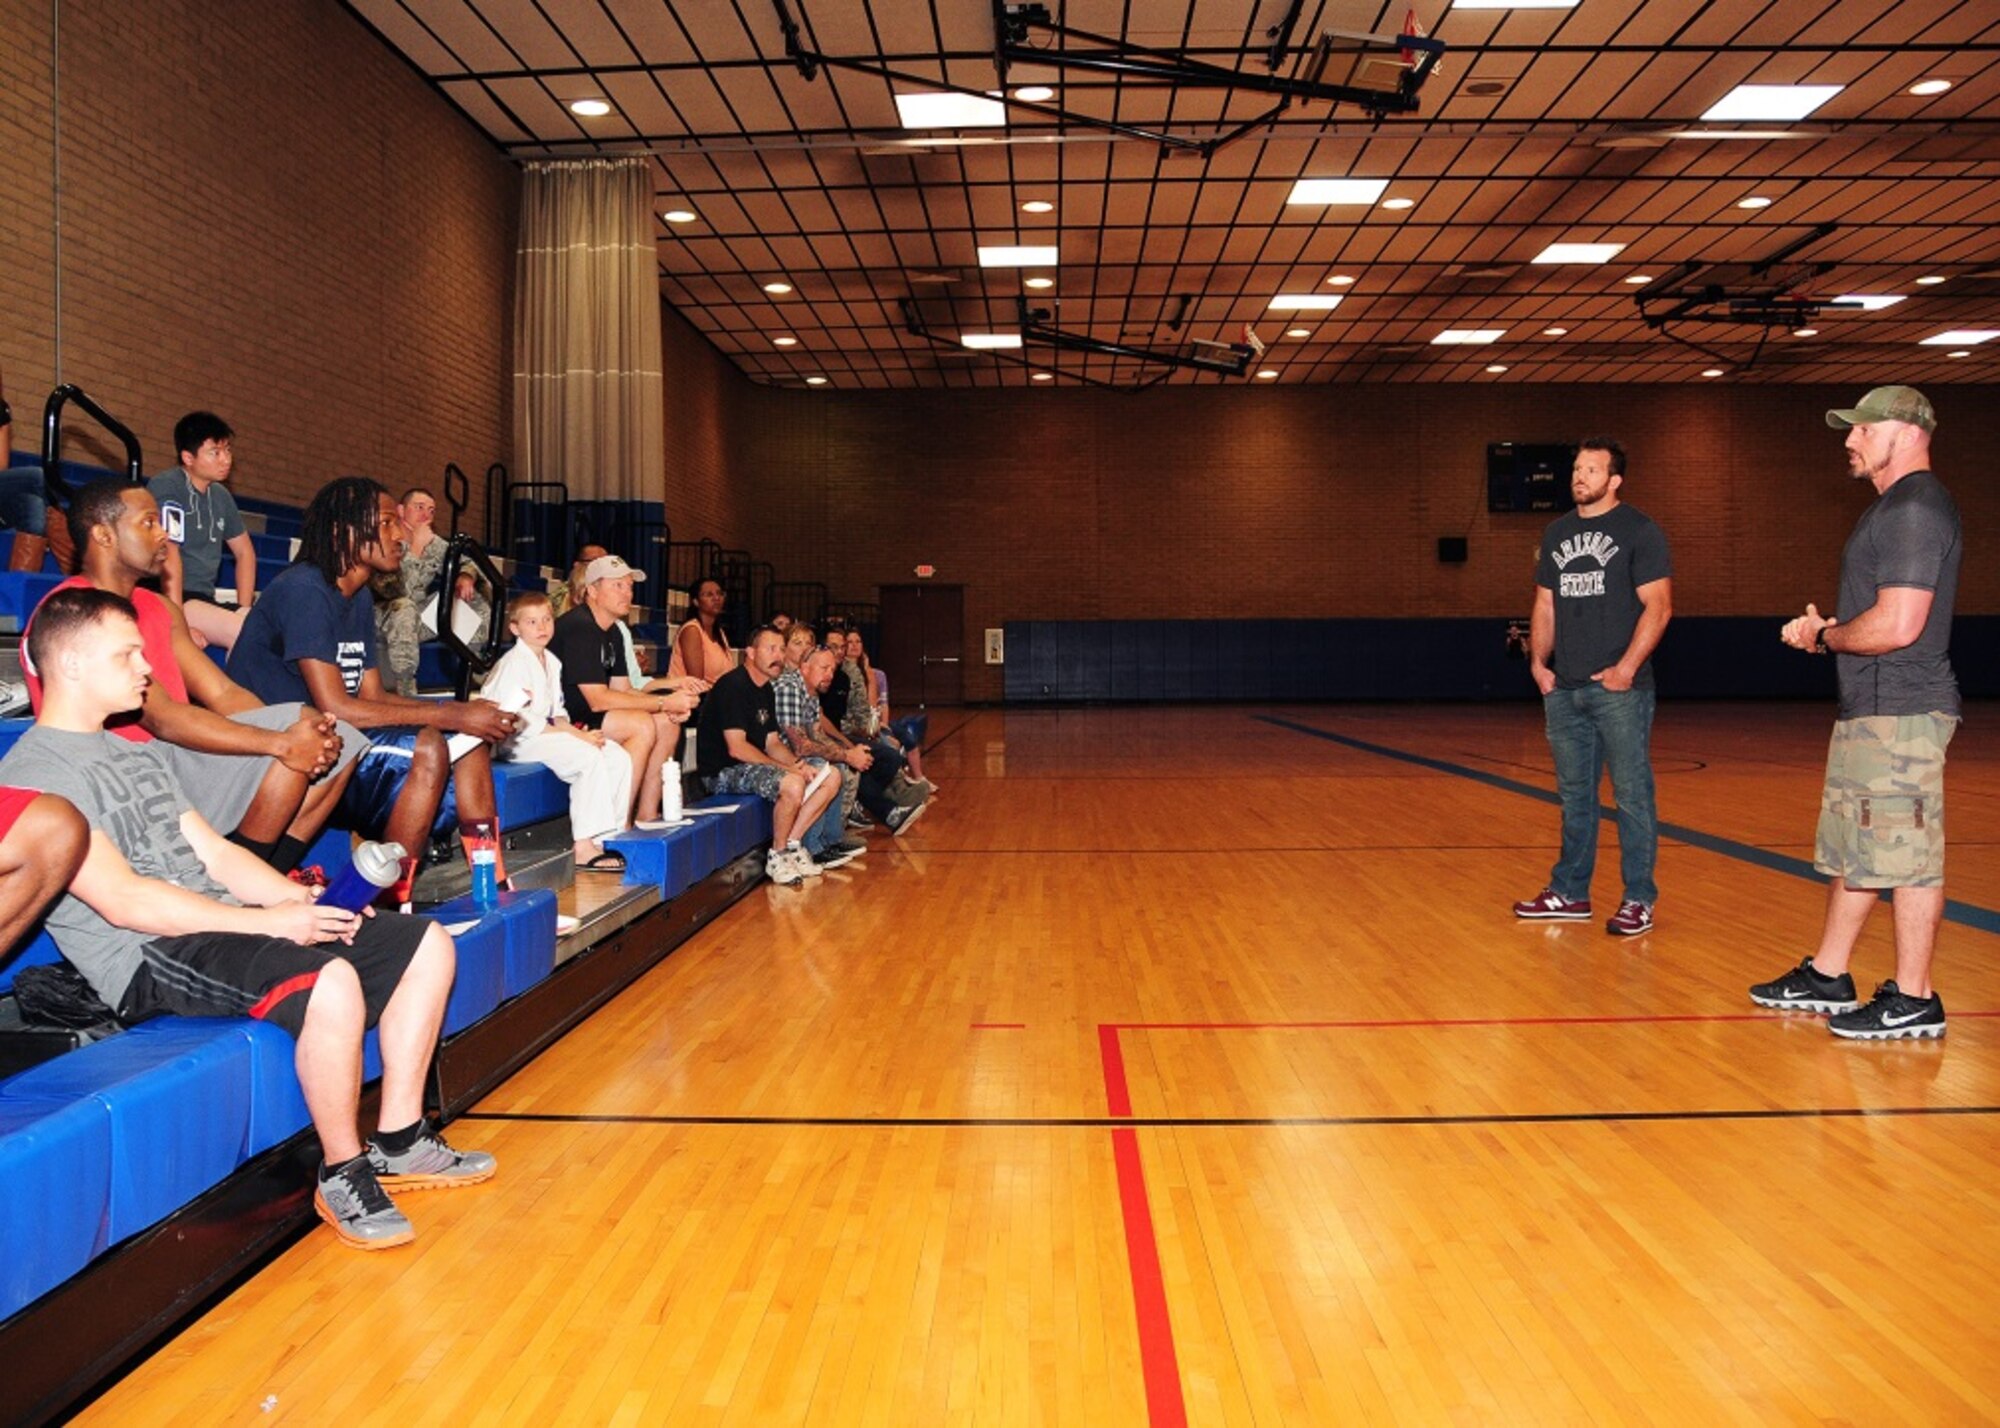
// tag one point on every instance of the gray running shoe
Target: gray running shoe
(839, 855)
(350, 1198)
(900, 819)
(430, 1164)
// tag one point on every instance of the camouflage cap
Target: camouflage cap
(1887, 404)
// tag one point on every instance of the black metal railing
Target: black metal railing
(52, 410)
(475, 657)
(457, 492)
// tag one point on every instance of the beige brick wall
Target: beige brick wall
(265, 213)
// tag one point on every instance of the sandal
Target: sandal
(605, 862)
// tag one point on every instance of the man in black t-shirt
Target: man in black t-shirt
(742, 750)
(1604, 594)
(600, 688)
(1881, 821)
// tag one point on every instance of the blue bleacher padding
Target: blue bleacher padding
(39, 950)
(277, 1105)
(21, 591)
(177, 1094)
(481, 983)
(529, 922)
(527, 793)
(659, 857)
(55, 1191)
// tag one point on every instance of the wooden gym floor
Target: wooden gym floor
(1186, 1066)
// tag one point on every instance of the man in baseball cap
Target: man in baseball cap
(610, 567)
(1881, 822)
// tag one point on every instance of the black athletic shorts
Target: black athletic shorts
(269, 978)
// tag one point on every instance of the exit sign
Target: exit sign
(925, 572)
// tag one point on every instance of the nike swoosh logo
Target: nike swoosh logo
(1888, 1020)
(1793, 996)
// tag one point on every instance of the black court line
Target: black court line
(1197, 1122)
(1967, 914)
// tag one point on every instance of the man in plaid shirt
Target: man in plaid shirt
(798, 724)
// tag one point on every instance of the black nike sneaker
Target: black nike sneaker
(1891, 1016)
(1803, 989)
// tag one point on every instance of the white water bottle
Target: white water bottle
(670, 791)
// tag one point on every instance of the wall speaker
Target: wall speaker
(1451, 550)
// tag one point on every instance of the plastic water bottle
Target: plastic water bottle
(670, 791)
(374, 868)
(485, 867)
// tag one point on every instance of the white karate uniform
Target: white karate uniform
(599, 779)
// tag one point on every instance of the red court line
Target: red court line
(1157, 1361)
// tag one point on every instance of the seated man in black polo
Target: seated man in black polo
(742, 751)
(311, 640)
(166, 916)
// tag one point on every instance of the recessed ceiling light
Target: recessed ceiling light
(1303, 302)
(1298, 332)
(1712, 372)
(1039, 282)
(1754, 201)
(1399, 203)
(589, 108)
(1638, 278)
(1869, 302)
(1267, 374)
(990, 341)
(1038, 205)
(1928, 87)
(1960, 353)
(1003, 255)
(815, 381)
(949, 111)
(1555, 331)
(1805, 332)
(1497, 368)
(1931, 281)
(1578, 253)
(777, 287)
(1769, 101)
(1043, 377)
(1468, 336)
(1337, 190)
(1960, 337)
(784, 341)
(684, 215)
(1341, 280)
(1034, 93)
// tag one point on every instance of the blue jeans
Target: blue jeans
(1592, 729)
(829, 827)
(24, 504)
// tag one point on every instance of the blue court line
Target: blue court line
(1964, 913)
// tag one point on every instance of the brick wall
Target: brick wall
(264, 212)
(1215, 501)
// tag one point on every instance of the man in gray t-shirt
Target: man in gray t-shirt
(201, 519)
(1881, 822)
(167, 916)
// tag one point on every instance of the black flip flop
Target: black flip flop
(605, 862)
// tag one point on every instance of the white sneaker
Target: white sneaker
(781, 869)
(803, 861)
(14, 702)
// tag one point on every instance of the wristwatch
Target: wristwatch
(1819, 640)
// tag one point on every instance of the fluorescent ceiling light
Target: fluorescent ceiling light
(1712, 372)
(1805, 332)
(1038, 205)
(784, 341)
(1044, 377)
(1038, 282)
(815, 381)
(1341, 280)
(1497, 368)
(1399, 203)
(1578, 253)
(1759, 135)
(1298, 332)
(777, 288)
(1638, 278)
(1928, 87)
(1034, 93)
(1513, 4)
(1468, 336)
(1870, 302)
(1769, 101)
(1931, 281)
(1267, 374)
(683, 215)
(1007, 256)
(991, 341)
(1555, 331)
(1337, 190)
(1960, 337)
(949, 111)
(1303, 302)
(1754, 201)
(589, 108)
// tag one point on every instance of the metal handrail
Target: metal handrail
(473, 660)
(53, 484)
(457, 492)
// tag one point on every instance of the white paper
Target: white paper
(713, 808)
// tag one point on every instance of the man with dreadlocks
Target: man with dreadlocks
(311, 639)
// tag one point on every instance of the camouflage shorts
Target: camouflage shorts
(1881, 812)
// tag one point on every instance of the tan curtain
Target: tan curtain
(587, 391)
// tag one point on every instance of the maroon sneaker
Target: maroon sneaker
(1551, 906)
(1631, 919)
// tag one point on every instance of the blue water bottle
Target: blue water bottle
(374, 868)
(485, 866)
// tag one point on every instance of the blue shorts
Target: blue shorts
(379, 776)
(24, 500)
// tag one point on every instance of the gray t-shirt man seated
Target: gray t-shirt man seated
(166, 916)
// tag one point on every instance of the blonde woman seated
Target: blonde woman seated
(527, 681)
